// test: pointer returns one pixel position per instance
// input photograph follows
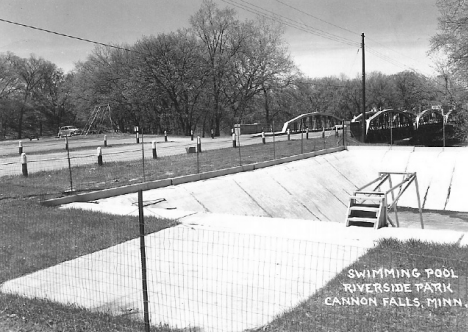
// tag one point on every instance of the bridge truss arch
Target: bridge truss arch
(315, 121)
(385, 126)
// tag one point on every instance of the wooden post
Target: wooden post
(99, 155)
(24, 164)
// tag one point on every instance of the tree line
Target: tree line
(219, 72)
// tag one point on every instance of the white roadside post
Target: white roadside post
(99, 155)
(24, 164)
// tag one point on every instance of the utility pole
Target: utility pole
(363, 136)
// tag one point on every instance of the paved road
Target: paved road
(50, 154)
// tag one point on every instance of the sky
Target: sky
(325, 41)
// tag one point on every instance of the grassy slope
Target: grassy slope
(33, 237)
(314, 315)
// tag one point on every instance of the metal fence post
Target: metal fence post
(143, 261)
(153, 147)
(274, 144)
(143, 156)
(69, 168)
(344, 134)
(240, 155)
(302, 139)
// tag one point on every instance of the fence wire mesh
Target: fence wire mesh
(82, 270)
(207, 280)
(53, 170)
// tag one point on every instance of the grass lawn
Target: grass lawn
(400, 314)
(33, 237)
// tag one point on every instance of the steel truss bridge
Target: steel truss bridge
(389, 125)
(315, 121)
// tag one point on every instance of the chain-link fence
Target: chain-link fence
(70, 269)
(82, 164)
(201, 279)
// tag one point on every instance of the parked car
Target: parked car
(68, 131)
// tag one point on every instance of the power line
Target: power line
(315, 17)
(324, 34)
(68, 36)
(289, 22)
(345, 29)
(306, 28)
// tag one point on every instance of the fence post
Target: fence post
(24, 164)
(153, 147)
(198, 151)
(20, 147)
(344, 134)
(143, 261)
(240, 153)
(324, 138)
(99, 155)
(198, 144)
(274, 145)
(69, 168)
(143, 156)
(302, 140)
(443, 129)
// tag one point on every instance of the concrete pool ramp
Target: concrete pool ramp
(316, 188)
